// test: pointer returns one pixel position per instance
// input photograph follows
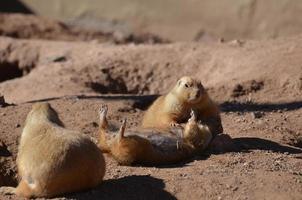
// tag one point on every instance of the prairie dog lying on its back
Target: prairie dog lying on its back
(152, 146)
(52, 160)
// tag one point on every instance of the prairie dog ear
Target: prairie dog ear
(201, 87)
(179, 83)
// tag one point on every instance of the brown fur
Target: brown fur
(174, 107)
(52, 160)
(151, 146)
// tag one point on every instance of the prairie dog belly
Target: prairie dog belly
(166, 143)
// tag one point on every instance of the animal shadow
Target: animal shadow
(235, 106)
(224, 143)
(130, 187)
(252, 143)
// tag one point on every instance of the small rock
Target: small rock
(257, 115)
(237, 42)
(238, 120)
(94, 124)
(299, 142)
(237, 91)
(59, 59)
(221, 40)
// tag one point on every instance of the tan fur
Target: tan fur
(153, 146)
(174, 107)
(52, 160)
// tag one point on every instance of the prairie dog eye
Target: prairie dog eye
(186, 85)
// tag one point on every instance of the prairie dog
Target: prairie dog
(53, 160)
(151, 146)
(175, 107)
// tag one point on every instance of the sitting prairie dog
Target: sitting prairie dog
(175, 107)
(151, 146)
(52, 160)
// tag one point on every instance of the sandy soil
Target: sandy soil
(258, 85)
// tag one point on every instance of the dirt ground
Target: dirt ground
(258, 84)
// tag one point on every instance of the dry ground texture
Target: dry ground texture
(258, 85)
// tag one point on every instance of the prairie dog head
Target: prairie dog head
(42, 112)
(189, 90)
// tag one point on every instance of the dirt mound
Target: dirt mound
(34, 27)
(230, 71)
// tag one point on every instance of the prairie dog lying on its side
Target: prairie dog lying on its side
(151, 146)
(175, 107)
(52, 160)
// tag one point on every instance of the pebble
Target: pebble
(257, 115)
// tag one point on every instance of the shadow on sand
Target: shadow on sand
(251, 143)
(144, 101)
(129, 187)
(141, 101)
(265, 107)
(224, 143)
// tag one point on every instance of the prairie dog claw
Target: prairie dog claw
(103, 111)
(122, 128)
(192, 116)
